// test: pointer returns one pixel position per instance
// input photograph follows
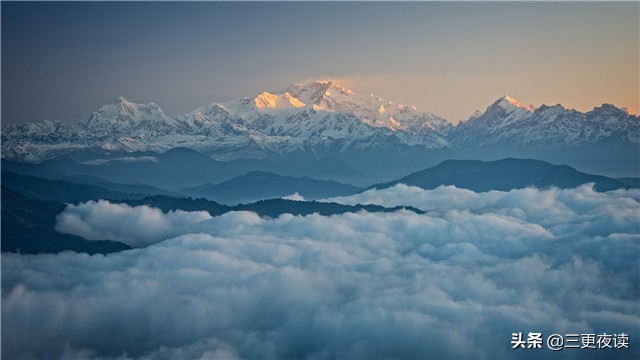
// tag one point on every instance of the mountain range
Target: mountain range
(479, 176)
(259, 185)
(176, 169)
(316, 119)
(28, 224)
(30, 204)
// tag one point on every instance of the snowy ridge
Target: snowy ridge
(508, 122)
(316, 117)
(375, 111)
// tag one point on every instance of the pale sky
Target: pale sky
(63, 61)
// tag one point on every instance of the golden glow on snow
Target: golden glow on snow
(270, 101)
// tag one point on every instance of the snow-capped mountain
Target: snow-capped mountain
(506, 121)
(373, 110)
(311, 117)
(122, 116)
(318, 117)
(268, 110)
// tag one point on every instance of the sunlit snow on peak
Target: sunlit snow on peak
(509, 103)
(281, 101)
(329, 96)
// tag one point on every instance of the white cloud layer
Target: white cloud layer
(135, 226)
(452, 283)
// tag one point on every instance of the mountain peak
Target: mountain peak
(121, 108)
(312, 92)
(127, 106)
(511, 100)
(509, 104)
(613, 110)
(329, 96)
(335, 86)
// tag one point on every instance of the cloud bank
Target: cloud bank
(135, 226)
(452, 283)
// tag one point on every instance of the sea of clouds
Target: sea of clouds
(454, 282)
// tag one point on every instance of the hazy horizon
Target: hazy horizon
(63, 61)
